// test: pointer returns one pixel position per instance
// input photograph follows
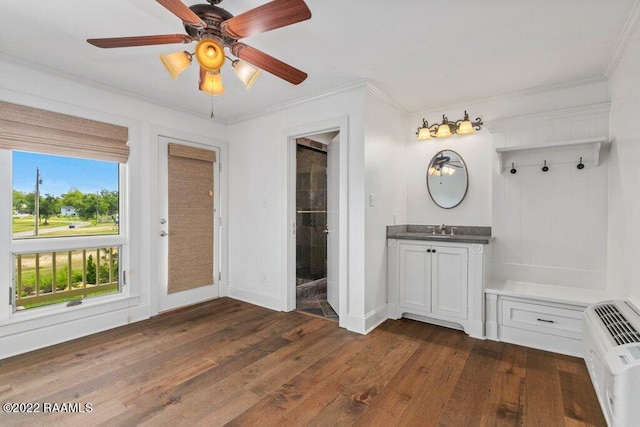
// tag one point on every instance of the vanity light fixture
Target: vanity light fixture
(447, 128)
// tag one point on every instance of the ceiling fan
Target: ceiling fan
(214, 29)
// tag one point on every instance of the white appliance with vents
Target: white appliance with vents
(612, 353)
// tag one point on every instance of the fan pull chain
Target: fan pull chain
(212, 115)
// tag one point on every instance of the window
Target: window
(57, 196)
(67, 236)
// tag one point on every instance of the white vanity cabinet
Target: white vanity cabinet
(433, 279)
(437, 282)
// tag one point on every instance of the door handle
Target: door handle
(164, 233)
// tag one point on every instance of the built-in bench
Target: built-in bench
(547, 317)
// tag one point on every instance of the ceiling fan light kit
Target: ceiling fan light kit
(245, 72)
(210, 82)
(210, 54)
(447, 128)
(216, 29)
(176, 62)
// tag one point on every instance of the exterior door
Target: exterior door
(187, 224)
(333, 211)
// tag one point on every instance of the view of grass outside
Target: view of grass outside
(49, 278)
(23, 227)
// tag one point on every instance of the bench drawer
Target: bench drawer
(541, 317)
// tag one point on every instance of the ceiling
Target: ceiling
(421, 54)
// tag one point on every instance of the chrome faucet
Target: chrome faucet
(443, 229)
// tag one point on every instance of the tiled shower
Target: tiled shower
(311, 223)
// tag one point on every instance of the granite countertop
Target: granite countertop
(462, 234)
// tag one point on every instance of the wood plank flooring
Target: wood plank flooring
(226, 362)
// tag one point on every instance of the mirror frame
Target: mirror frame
(466, 188)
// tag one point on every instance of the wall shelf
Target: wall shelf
(555, 153)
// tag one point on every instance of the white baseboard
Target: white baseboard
(475, 329)
(367, 323)
(263, 300)
(491, 330)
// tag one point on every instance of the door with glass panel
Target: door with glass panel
(187, 224)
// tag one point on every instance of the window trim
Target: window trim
(59, 312)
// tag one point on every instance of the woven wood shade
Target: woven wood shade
(190, 217)
(31, 129)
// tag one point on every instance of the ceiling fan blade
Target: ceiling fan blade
(183, 12)
(269, 16)
(140, 40)
(268, 63)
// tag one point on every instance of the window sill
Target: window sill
(48, 316)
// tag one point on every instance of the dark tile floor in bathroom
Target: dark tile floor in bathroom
(316, 305)
(311, 298)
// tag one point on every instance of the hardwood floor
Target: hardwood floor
(228, 362)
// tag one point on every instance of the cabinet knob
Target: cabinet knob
(433, 250)
(428, 250)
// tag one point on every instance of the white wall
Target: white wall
(477, 150)
(385, 179)
(548, 228)
(551, 227)
(258, 204)
(27, 85)
(624, 176)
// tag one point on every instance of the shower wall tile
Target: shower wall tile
(311, 195)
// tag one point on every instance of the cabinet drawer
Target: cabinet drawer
(540, 317)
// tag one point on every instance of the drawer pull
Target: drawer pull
(546, 321)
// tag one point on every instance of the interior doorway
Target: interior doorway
(316, 237)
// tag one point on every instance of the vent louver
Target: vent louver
(618, 326)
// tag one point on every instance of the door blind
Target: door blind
(190, 186)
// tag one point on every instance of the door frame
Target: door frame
(339, 124)
(221, 202)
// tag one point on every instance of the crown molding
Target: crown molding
(74, 78)
(514, 94)
(628, 31)
(385, 98)
(285, 105)
(587, 112)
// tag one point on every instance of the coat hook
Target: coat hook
(513, 168)
(580, 165)
(545, 168)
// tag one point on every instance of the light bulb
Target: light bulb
(423, 133)
(465, 128)
(210, 54)
(443, 131)
(176, 62)
(210, 82)
(245, 72)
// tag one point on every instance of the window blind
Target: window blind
(31, 129)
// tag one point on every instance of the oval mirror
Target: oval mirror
(447, 179)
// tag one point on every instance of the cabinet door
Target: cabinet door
(414, 291)
(449, 281)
